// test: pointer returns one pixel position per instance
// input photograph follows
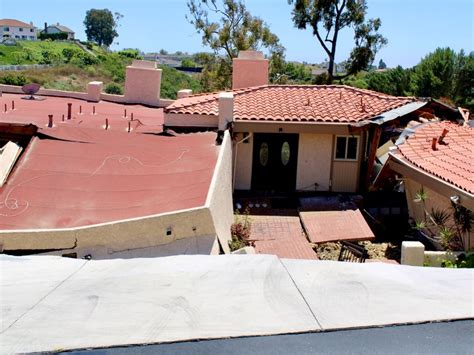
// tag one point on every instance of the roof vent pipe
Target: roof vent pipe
(433, 143)
(442, 136)
(50, 121)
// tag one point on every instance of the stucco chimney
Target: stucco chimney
(249, 69)
(226, 109)
(184, 93)
(143, 83)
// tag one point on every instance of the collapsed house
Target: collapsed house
(103, 175)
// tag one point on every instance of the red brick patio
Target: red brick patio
(280, 235)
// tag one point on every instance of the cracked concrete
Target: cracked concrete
(51, 303)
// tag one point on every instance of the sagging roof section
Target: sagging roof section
(442, 149)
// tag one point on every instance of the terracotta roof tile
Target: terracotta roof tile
(296, 103)
(14, 23)
(452, 161)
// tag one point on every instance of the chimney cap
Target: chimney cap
(251, 55)
(226, 95)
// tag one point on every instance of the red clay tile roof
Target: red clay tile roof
(452, 162)
(14, 23)
(298, 103)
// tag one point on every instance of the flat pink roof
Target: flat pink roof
(145, 119)
(75, 176)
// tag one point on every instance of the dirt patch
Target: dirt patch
(377, 251)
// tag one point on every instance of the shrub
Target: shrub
(130, 53)
(69, 53)
(240, 231)
(114, 88)
(13, 79)
(462, 262)
(53, 36)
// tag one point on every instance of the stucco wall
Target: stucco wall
(345, 176)
(14, 32)
(314, 162)
(142, 83)
(122, 235)
(219, 198)
(189, 120)
(243, 163)
(434, 201)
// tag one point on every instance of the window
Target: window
(21, 29)
(6, 29)
(23, 37)
(346, 148)
(31, 30)
(285, 153)
(263, 154)
(32, 37)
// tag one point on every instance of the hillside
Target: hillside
(69, 67)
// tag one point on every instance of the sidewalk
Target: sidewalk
(53, 303)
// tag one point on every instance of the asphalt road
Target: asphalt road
(432, 338)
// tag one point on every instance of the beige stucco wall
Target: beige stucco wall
(434, 201)
(189, 120)
(346, 173)
(243, 163)
(345, 176)
(314, 165)
(134, 233)
(219, 199)
(314, 162)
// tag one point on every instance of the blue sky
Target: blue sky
(412, 27)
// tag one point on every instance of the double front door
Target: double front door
(275, 159)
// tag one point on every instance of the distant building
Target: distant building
(10, 28)
(58, 28)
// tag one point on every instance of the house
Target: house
(58, 28)
(101, 179)
(436, 163)
(15, 29)
(293, 138)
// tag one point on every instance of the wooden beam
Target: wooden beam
(374, 144)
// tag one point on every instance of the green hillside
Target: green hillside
(71, 67)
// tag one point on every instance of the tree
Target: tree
(382, 64)
(434, 75)
(227, 27)
(464, 85)
(395, 81)
(327, 18)
(101, 26)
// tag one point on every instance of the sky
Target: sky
(413, 28)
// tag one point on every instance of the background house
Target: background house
(10, 28)
(56, 29)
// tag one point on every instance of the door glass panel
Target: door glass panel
(352, 148)
(285, 153)
(341, 148)
(263, 154)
